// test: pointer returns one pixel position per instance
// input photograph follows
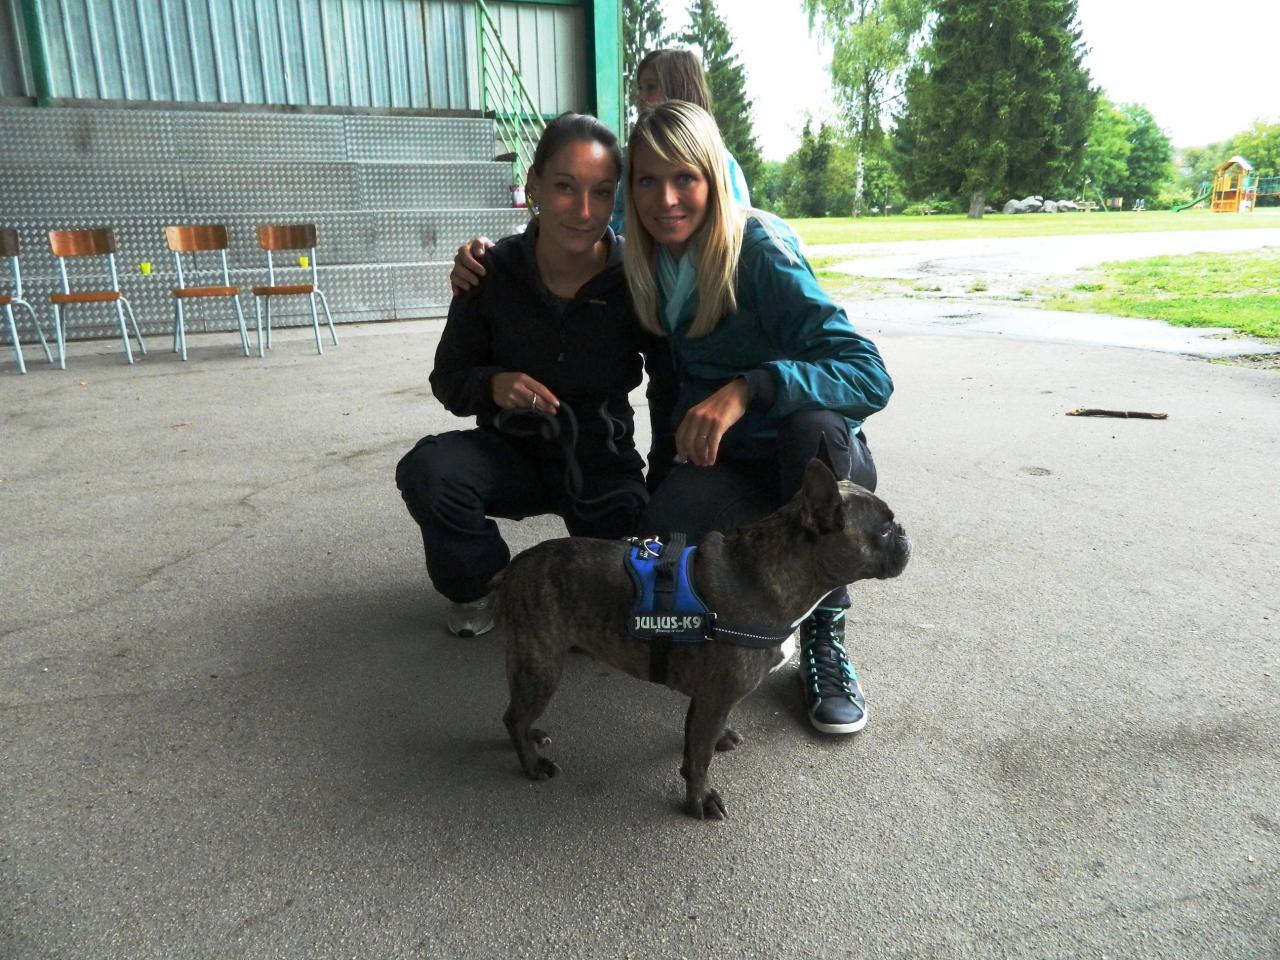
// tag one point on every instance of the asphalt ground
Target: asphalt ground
(232, 724)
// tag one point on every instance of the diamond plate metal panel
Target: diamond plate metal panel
(424, 291)
(389, 139)
(133, 136)
(272, 187)
(241, 137)
(437, 234)
(427, 185)
(59, 191)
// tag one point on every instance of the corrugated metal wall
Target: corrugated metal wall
(357, 53)
(553, 67)
(15, 72)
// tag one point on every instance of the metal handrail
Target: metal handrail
(502, 92)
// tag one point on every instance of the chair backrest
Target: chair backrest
(291, 236)
(8, 242)
(211, 236)
(82, 243)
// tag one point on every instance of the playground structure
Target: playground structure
(1236, 188)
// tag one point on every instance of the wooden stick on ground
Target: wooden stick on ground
(1125, 414)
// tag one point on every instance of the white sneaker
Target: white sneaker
(474, 618)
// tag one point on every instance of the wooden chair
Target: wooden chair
(9, 249)
(89, 243)
(194, 241)
(296, 236)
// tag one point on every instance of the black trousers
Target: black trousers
(697, 500)
(454, 483)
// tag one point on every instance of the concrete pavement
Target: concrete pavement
(231, 724)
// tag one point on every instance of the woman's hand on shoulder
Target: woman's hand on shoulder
(699, 434)
(519, 391)
(467, 268)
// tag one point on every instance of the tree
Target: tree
(1000, 102)
(727, 81)
(1198, 166)
(1150, 163)
(766, 192)
(1260, 145)
(1105, 165)
(872, 43)
(804, 174)
(643, 29)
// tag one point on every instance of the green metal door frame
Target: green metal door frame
(604, 36)
(38, 50)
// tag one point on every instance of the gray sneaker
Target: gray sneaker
(473, 618)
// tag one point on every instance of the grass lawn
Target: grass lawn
(1238, 290)
(960, 227)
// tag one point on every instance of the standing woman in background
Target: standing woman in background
(768, 365)
(677, 74)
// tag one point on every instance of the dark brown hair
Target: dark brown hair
(575, 128)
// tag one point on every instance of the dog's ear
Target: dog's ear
(821, 508)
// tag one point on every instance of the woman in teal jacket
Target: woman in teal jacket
(768, 365)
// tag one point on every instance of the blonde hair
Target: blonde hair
(683, 133)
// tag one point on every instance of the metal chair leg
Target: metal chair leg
(244, 334)
(142, 347)
(124, 332)
(324, 302)
(35, 322)
(315, 321)
(13, 332)
(257, 309)
(268, 323)
(62, 336)
(180, 328)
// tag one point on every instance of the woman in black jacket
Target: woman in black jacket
(543, 355)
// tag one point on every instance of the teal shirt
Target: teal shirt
(786, 326)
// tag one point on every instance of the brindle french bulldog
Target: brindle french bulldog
(575, 592)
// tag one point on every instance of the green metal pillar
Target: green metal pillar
(38, 51)
(605, 36)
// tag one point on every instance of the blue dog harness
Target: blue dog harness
(668, 609)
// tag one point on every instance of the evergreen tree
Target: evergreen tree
(643, 29)
(873, 42)
(1001, 102)
(805, 180)
(727, 80)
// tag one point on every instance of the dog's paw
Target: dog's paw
(539, 737)
(542, 769)
(729, 740)
(710, 807)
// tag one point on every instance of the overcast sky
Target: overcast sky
(1162, 55)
